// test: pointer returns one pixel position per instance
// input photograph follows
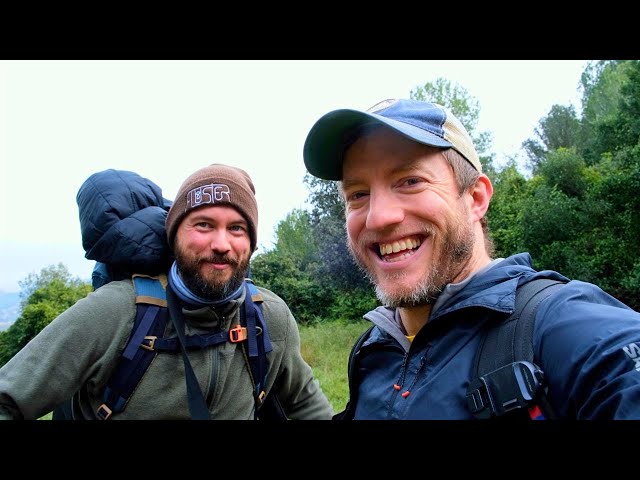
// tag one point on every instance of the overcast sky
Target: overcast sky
(61, 121)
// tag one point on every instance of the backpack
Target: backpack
(506, 383)
(146, 341)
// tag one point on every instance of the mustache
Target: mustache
(215, 258)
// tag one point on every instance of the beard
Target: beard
(211, 288)
(452, 248)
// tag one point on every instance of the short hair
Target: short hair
(466, 177)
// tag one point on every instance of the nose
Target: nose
(384, 210)
(219, 240)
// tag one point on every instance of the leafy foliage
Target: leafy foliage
(559, 129)
(45, 296)
(580, 212)
(505, 210)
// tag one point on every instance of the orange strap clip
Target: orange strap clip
(237, 334)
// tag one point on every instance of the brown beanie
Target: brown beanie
(216, 184)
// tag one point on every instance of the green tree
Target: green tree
(288, 269)
(580, 212)
(505, 209)
(293, 239)
(628, 125)
(44, 296)
(334, 261)
(564, 169)
(559, 129)
(603, 85)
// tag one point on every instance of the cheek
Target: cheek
(354, 224)
(192, 242)
(432, 207)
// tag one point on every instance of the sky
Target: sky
(61, 121)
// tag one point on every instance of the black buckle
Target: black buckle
(513, 387)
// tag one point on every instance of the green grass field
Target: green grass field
(326, 347)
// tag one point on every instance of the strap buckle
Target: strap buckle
(149, 346)
(512, 387)
(237, 334)
(104, 412)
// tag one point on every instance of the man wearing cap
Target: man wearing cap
(212, 229)
(416, 202)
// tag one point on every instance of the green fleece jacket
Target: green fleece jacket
(78, 351)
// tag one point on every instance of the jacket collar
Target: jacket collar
(495, 288)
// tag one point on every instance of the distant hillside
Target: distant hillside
(9, 309)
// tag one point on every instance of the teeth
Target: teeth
(398, 246)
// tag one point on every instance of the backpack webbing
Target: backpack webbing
(150, 322)
(505, 378)
(146, 341)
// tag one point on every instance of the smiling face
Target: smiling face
(213, 249)
(408, 226)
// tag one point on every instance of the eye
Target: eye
(238, 228)
(355, 196)
(203, 225)
(412, 181)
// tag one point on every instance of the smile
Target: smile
(399, 249)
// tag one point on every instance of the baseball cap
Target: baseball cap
(425, 122)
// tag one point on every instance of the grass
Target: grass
(326, 347)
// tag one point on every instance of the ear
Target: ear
(480, 194)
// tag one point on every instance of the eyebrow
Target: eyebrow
(412, 166)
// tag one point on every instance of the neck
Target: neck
(414, 318)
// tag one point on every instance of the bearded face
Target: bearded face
(451, 250)
(212, 251)
(207, 283)
(409, 228)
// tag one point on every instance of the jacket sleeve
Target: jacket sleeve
(297, 389)
(80, 346)
(588, 345)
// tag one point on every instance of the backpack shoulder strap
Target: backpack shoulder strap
(256, 347)
(506, 378)
(150, 322)
(349, 412)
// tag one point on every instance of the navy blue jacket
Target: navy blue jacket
(586, 342)
(122, 216)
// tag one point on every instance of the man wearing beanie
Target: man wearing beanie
(416, 201)
(211, 229)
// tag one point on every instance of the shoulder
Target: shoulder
(582, 310)
(105, 316)
(272, 301)
(586, 298)
(115, 298)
